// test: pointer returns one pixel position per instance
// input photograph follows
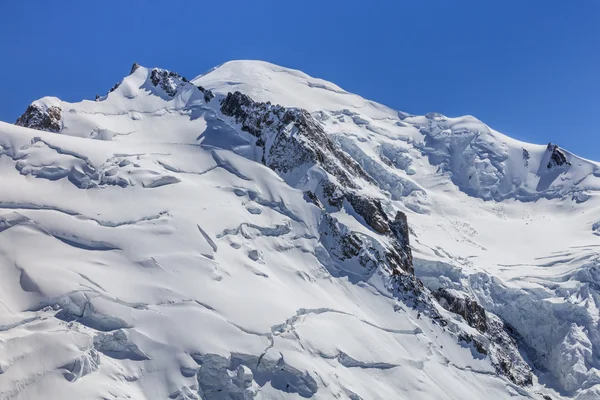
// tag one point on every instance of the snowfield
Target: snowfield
(176, 239)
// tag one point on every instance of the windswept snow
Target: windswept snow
(151, 246)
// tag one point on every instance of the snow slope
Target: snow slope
(156, 244)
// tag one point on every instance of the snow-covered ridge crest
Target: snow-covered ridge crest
(144, 92)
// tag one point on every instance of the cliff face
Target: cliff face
(41, 117)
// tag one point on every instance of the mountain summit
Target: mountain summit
(256, 233)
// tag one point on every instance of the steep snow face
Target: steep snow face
(176, 239)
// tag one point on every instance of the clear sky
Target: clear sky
(528, 68)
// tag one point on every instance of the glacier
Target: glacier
(256, 233)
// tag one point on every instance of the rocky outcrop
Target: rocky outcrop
(526, 157)
(470, 310)
(170, 82)
(115, 87)
(208, 94)
(40, 117)
(167, 80)
(291, 137)
(372, 212)
(557, 157)
(134, 68)
(499, 341)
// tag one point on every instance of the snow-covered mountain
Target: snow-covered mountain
(256, 233)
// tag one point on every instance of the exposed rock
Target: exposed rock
(169, 81)
(341, 243)
(115, 87)
(526, 157)
(502, 345)
(469, 309)
(557, 158)
(40, 117)
(313, 198)
(291, 137)
(372, 212)
(399, 255)
(400, 228)
(134, 68)
(208, 94)
(504, 352)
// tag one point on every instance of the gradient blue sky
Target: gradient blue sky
(528, 68)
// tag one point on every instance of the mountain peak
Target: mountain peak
(462, 260)
(134, 67)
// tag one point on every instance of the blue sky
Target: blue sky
(528, 68)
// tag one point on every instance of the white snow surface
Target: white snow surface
(146, 253)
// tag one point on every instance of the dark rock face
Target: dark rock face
(169, 81)
(400, 228)
(36, 117)
(112, 89)
(470, 310)
(372, 212)
(503, 340)
(526, 157)
(557, 158)
(343, 245)
(504, 352)
(208, 94)
(313, 198)
(291, 138)
(134, 68)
